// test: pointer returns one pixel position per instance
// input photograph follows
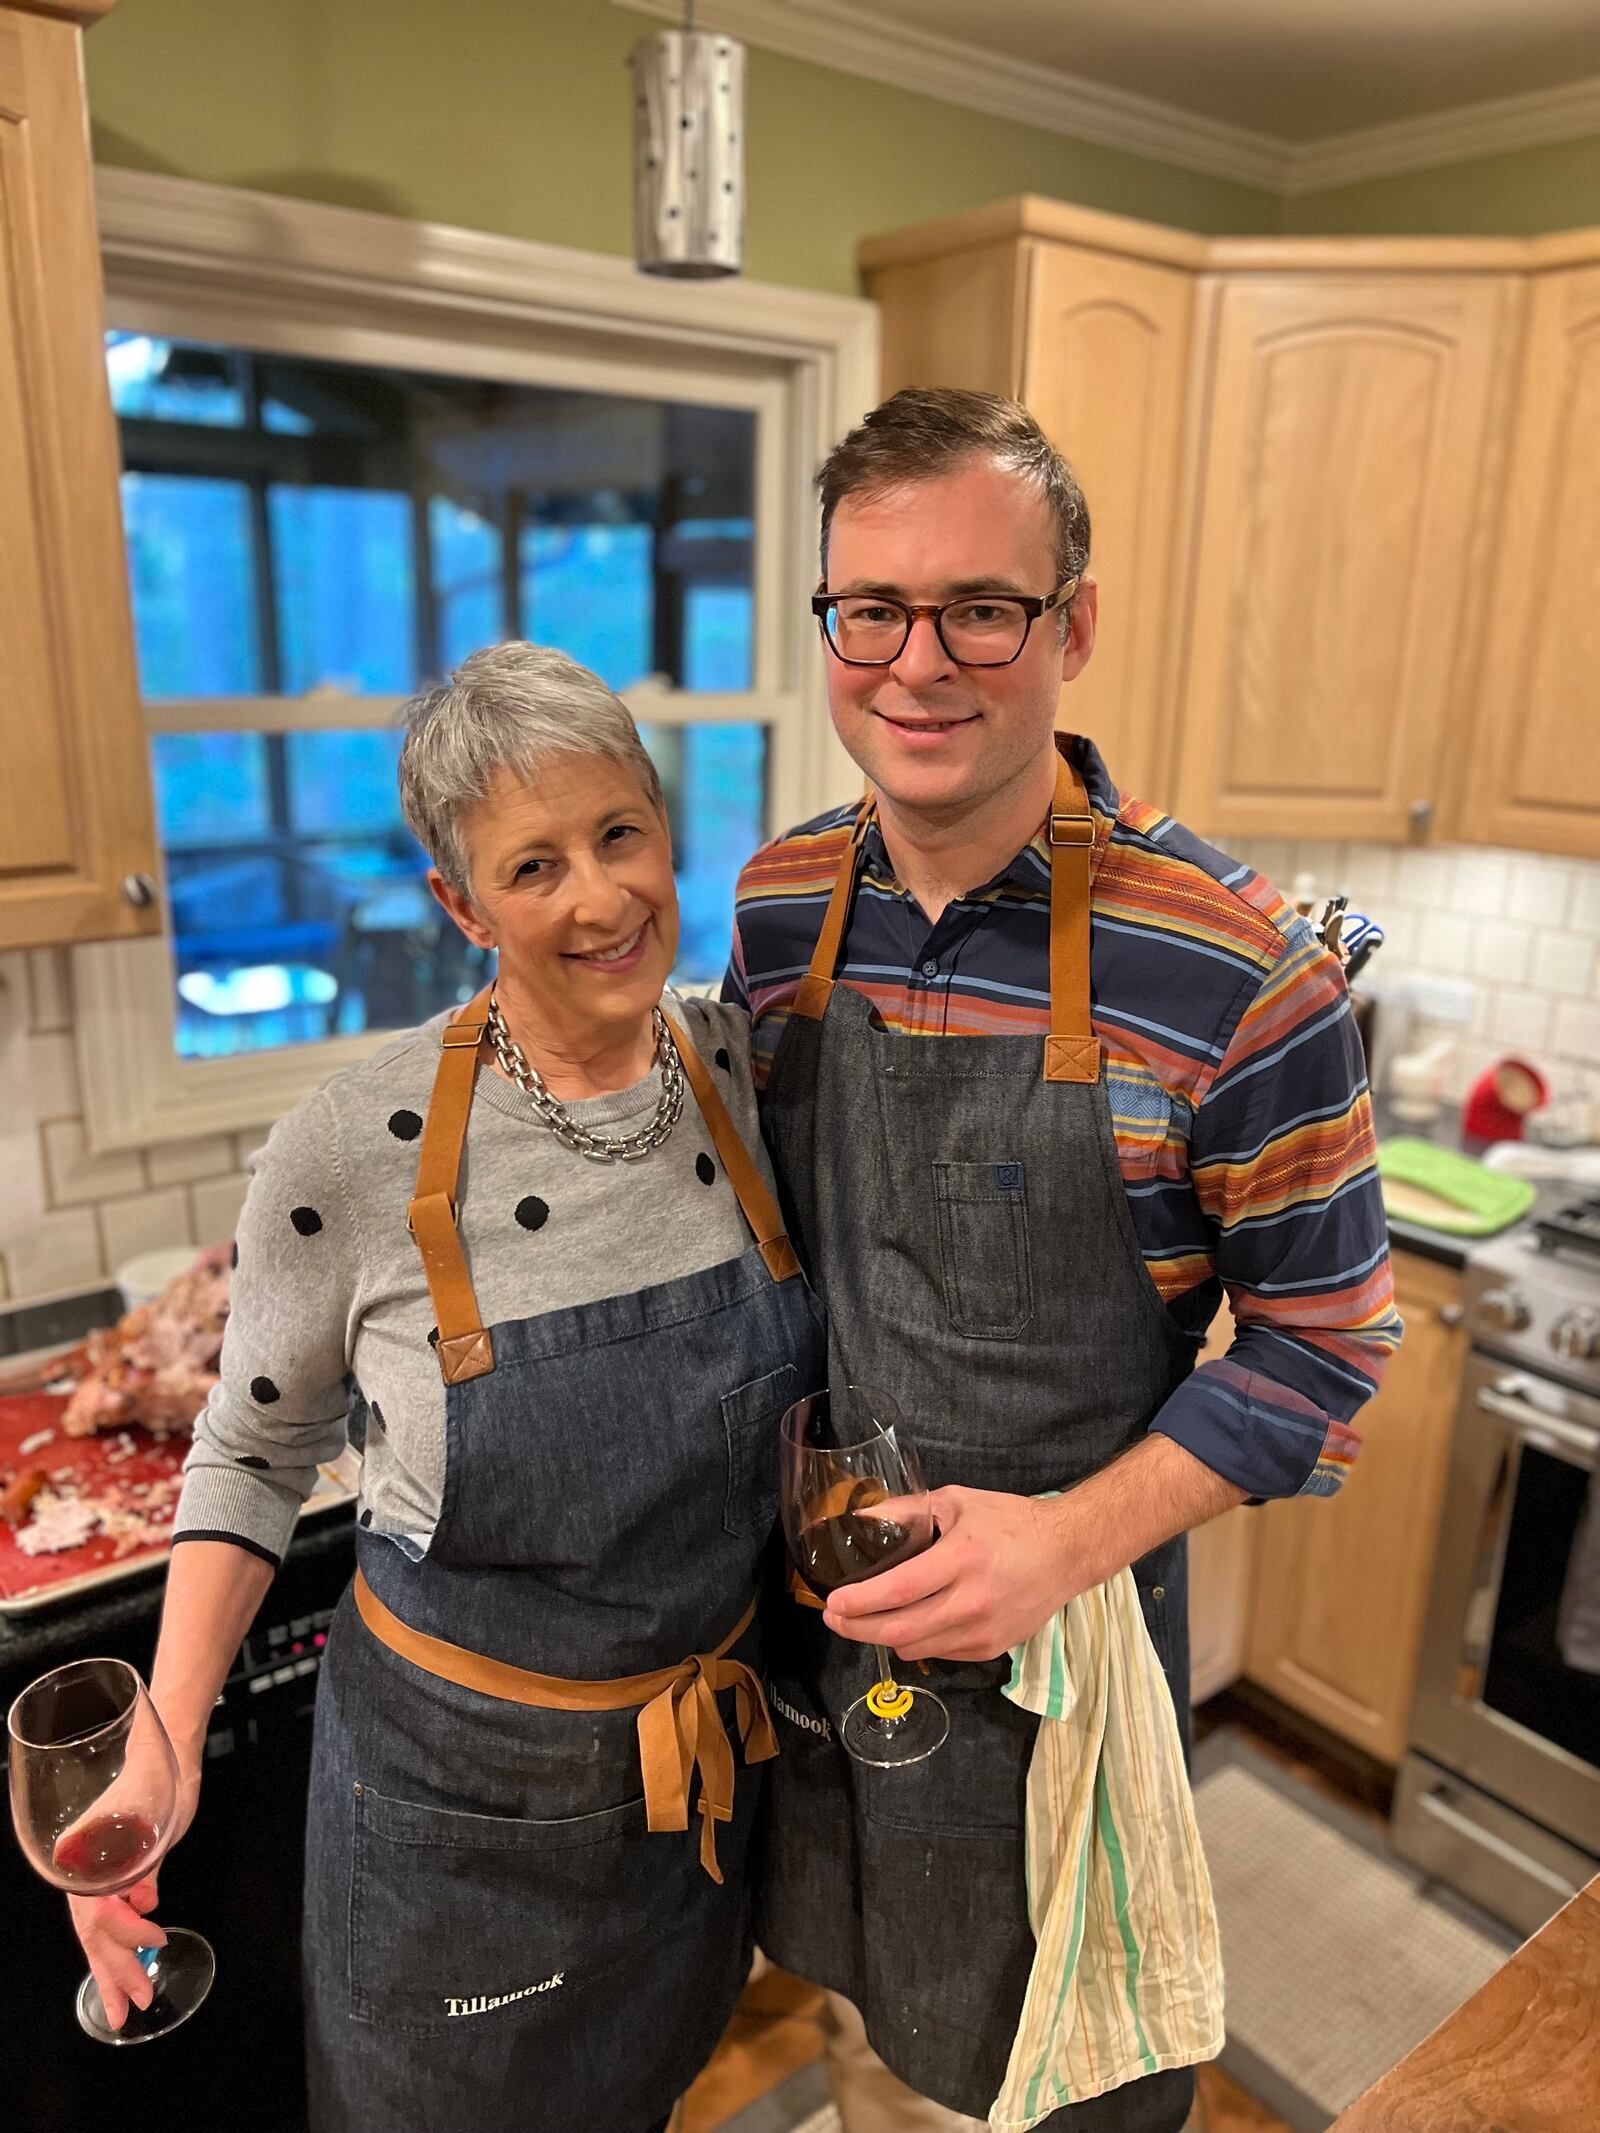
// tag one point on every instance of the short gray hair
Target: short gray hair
(510, 707)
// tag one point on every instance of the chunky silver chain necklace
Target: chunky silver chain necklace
(599, 1147)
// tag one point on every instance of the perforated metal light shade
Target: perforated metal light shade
(688, 154)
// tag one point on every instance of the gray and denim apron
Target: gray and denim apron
(508, 1924)
(958, 1203)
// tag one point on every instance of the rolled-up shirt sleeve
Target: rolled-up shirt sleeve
(279, 1407)
(1283, 1162)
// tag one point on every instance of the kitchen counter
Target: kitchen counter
(1522, 2056)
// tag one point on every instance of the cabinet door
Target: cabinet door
(1105, 372)
(75, 814)
(1341, 1585)
(1535, 763)
(1346, 445)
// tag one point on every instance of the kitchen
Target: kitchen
(1313, 359)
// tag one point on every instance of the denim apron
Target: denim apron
(959, 1205)
(501, 1932)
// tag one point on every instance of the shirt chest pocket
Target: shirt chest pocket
(984, 1263)
(1141, 1116)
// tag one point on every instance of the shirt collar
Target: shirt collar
(1029, 871)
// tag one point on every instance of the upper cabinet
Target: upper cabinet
(1095, 337)
(1534, 772)
(77, 841)
(1346, 524)
(1346, 445)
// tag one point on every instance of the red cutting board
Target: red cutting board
(102, 1464)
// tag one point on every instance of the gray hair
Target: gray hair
(510, 707)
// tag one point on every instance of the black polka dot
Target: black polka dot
(404, 1125)
(306, 1220)
(263, 1391)
(249, 1459)
(532, 1212)
(433, 1336)
(705, 1170)
(366, 1518)
(233, 1255)
(376, 1413)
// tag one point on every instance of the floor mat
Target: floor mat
(1337, 1958)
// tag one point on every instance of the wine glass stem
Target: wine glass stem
(885, 1670)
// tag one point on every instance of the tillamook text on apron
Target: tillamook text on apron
(787, 1710)
(481, 2004)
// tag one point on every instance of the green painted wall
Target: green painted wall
(1552, 188)
(514, 116)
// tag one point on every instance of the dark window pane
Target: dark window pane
(587, 591)
(193, 596)
(467, 578)
(174, 381)
(211, 788)
(342, 574)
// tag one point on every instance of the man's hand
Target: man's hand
(1002, 1565)
(991, 1578)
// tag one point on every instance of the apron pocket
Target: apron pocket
(456, 1918)
(751, 1415)
(983, 1247)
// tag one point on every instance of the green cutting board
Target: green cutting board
(1437, 1189)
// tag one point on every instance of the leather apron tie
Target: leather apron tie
(680, 1728)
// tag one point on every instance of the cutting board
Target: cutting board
(114, 1463)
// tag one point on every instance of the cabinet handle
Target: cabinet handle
(139, 890)
(1452, 1314)
(1420, 813)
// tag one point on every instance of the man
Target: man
(1141, 1085)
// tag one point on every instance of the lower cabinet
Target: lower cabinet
(1341, 1586)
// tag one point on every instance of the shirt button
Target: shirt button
(930, 969)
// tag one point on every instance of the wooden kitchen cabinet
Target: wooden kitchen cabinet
(1348, 441)
(1341, 1585)
(76, 820)
(1087, 318)
(1534, 771)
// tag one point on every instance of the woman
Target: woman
(514, 1254)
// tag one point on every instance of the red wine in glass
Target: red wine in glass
(842, 1455)
(94, 1797)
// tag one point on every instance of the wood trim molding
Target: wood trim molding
(835, 34)
(86, 13)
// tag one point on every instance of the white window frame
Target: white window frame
(190, 261)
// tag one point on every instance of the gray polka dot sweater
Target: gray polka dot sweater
(329, 1289)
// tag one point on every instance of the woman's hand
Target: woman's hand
(111, 1928)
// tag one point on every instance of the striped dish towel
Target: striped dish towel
(1127, 1973)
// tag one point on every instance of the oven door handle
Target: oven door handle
(1546, 1433)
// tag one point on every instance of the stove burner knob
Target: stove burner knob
(1576, 1335)
(1506, 1309)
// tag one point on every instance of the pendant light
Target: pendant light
(688, 152)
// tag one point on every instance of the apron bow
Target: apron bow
(681, 1731)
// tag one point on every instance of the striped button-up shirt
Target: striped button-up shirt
(1237, 1085)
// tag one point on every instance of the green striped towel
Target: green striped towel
(1127, 1973)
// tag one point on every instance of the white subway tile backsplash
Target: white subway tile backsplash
(1424, 878)
(1519, 1018)
(62, 1253)
(53, 1069)
(1539, 891)
(1481, 884)
(76, 1176)
(1575, 1034)
(1564, 963)
(155, 1219)
(181, 1162)
(1584, 915)
(1447, 943)
(48, 983)
(1500, 951)
(246, 1146)
(216, 1205)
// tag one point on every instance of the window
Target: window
(354, 451)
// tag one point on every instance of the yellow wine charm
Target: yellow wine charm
(887, 1699)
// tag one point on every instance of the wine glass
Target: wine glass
(94, 1794)
(854, 1504)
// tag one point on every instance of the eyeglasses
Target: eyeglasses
(981, 630)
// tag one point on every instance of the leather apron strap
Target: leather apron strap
(465, 1348)
(680, 1728)
(1071, 1050)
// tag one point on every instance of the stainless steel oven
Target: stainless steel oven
(1500, 1792)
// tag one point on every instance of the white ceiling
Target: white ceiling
(1296, 69)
